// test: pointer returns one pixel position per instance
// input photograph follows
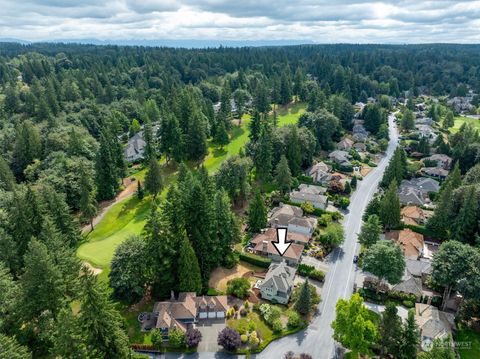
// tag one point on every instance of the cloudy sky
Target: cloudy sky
(319, 21)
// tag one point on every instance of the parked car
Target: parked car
(355, 259)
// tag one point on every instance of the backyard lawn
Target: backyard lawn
(468, 343)
(459, 121)
(129, 216)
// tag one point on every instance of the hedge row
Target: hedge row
(310, 272)
(255, 260)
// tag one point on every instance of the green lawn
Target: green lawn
(470, 338)
(291, 115)
(128, 217)
(459, 121)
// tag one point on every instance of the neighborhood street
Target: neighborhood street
(317, 339)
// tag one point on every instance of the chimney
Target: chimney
(265, 246)
(172, 295)
(276, 221)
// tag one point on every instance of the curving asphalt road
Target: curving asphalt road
(317, 339)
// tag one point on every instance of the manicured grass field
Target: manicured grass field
(128, 217)
(470, 338)
(459, 121)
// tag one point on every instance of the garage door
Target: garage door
(220, 314)
(202, 315)
(211, 315)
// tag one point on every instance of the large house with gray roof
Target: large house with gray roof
(278, 283)
(312, 194)
(415, 191)
(291, 217)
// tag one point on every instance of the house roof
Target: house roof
(216, 303)
(263, 243)
(346, 143)
(135, 145)
(284, 220)
(309, 193)
(435, 171)
(320, 166)
(279, 277)
(410, 285)
(439, 157)
(286, 209)
(411, 242)
(432, 322)
(417, 268)
(339, 156)
(413, 212)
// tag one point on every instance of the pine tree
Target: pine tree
(396, 169)
(283, 177)
(293, 150)
(466, 224)
(408, 120)
(150, 143)
(390, 330)
(257, 213)
(153, 178)
(221, 135)
(197, 138)
(41, 280)
(227, 231)
(69, 341)
(285, 94)
(11, 349)
(140, 191)
(107, 183)
(171, 142)
(255, 126)
(370, 232)
(87, 197)
(27, 147)
(100, 322)
(411, 338)
(390, 207)
(189, 278)
(353, 182)
(7, 180)
(162, 244)
(263, 154)
(303, 304)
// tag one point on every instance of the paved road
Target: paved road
(317, 338)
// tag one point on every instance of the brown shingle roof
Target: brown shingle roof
(293, 252)
(412, 243)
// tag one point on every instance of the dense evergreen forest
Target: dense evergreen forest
(66, 112)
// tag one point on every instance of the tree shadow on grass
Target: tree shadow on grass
(218, 152)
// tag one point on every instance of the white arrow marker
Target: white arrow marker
(282, 243)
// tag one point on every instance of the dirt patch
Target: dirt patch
(221, 275)
(365, 170)
(94, 270)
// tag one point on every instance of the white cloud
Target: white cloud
(404, 21)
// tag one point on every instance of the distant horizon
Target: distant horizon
(209, 43)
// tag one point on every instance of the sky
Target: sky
(319, 21)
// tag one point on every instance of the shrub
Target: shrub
(408, 303)
(244, 338)
(231, 260)
(230, 313)
(307, 207)
(305, 269)
(251, 326)
(157, 339)
(293, 319)
(246, 305)
(192, 337)
(277, 325)
(254, 341)
(229, 339)
(317, 274)
(242, 327)
(213, 291)
(325, 219)
(235, 306)
(255, 260)
(239, 287)
(243, 312)
(176, 338)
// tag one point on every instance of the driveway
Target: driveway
(318, 264)
(209, 329)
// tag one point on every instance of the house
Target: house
(345, 144)
(415, 191)
(410, 285)
(424, 121)
(312, 194)
(291, 217)
(427, 132)
(360, 147)
(441, 160)
(262, 245)
(320, 172)
(412, 243)
(461, 104)
(183, 312)
(135, 148)
(433, 324)
(413, 215)
(437, 172)
(278, 283)
(340, 157)
(360, 134)
(416, 273)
